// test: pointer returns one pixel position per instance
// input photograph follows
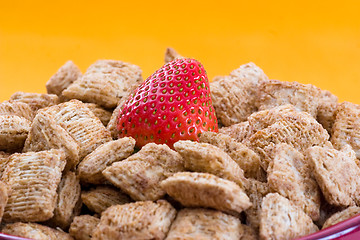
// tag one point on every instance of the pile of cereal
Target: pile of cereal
(284, 163)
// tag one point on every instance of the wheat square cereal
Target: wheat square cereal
(33, 178)
(140, 174)
(246, 158)
(198, 223)
(289, 174)
(91, 167)
(234, 96)
(36, 100)
(3, 198)
(193, 189)
(105, 82)
(17, 108)
(204, 157)
(102, 197)
(273, 93)
(346, 128)
(241, 132)
(13, 132)
(256, 191)
(138, 220)
(83, 226)
(82, 125)
(4, 159)
(35, 231)
(45, 134)
(249, 233)
(68, 201)
(66, 75)
(326, 112)
(101, 113)
(171, 55)
(279, 219)
(341, 216)
(337, 174)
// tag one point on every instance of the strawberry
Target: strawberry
(172, 104)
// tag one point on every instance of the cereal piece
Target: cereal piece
(66, 75)
(289, 174)
(68, 201)
(341, 216)
(346, 129)
(82, 125)
(249, 233)
(299, 130)
(102, 197)
(46, 134)
(91, 167)
(326, 112)
(3, 198)
(139, 220)
(13, 132)
(246, 158)
(256, 192)
(273, 93)
(4, 159)
(171, 55)
(140, 174)
(240, 131)
(102, 114)
(197, 223)
(337, 174)
(234, 96)
(281, 220)
(36, 100)
(105, 83)
(203, 157)
(35, 231)
(33, 179)
(206, 190)
(83, 226)
(326, 211)
(16, 108)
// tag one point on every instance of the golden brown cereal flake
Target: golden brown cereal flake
(66, 75)
(346, 129)
(241, 132)
(205, 224)
(282, 220)
(204, 157)
(68, 201)
(83, 226)
(289, 174)
(101, 113)
(13, 132)
(33, 179)
(206, 190)
(105, 83)
(17, 108)
(35, 231)
(337, 174)
(103, 197)
(171, 55)
(326, 112)
(139, 220)
(82, 125)
(246, 158)
(4, 159)
(234, 96)
(3, 198)
(46, 134)
(341, 216)
(140, 174)
(91, 167)
(36, 100)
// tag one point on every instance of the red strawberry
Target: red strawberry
(173, 104)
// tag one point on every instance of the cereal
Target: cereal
(341, 216)
(36, 100)
(83, 226)
(241, 132)
(105, 82)
(203, 157)
(91, 167)
(206, 190)
(103, 114)
(139, 220)
(16, 108)
(171, 55)
(103, 197)
(4, 159)
(13, 132)
(3, 198)
(326, 112)
(281, 220)
(198, 223)
(140, 174)
(33, 179)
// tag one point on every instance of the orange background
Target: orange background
(314, 42)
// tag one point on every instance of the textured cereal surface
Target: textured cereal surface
(241, 132)
(17, 108)
(83, 226)
(13, 132)
(36, 100)
(341, 216)
(101, 113)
